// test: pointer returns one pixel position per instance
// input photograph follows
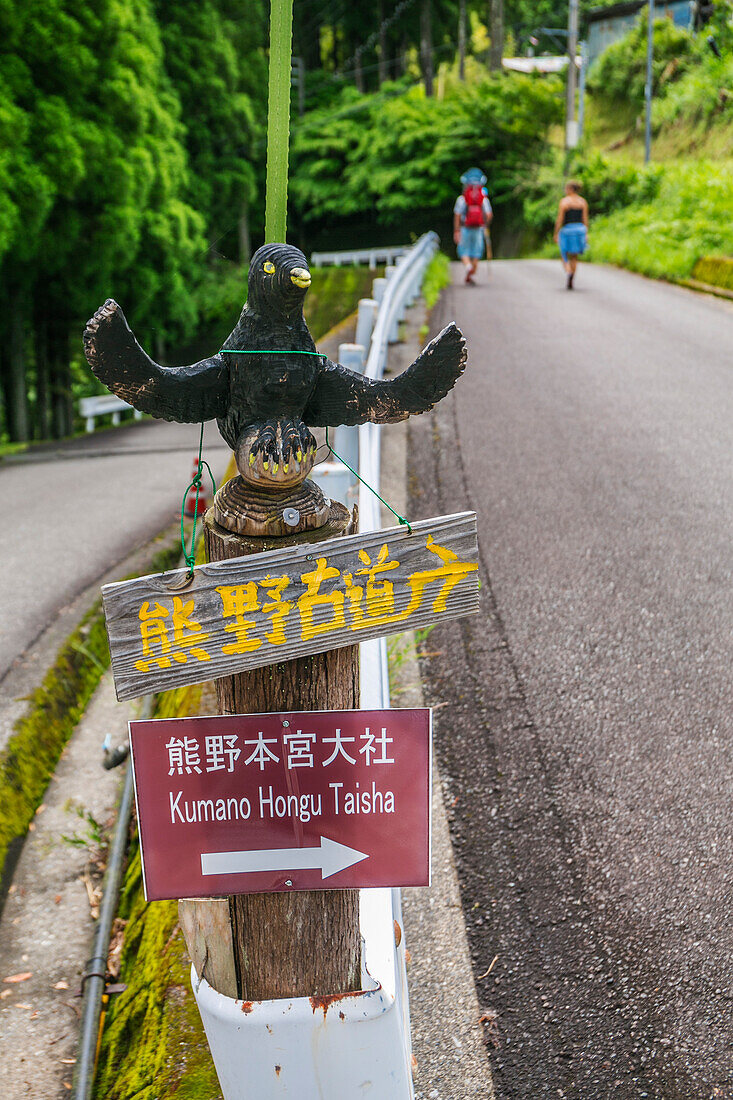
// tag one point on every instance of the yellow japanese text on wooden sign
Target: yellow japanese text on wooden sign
(247, 612)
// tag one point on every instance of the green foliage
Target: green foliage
(619, 74)
(693, 90)
(401, 153)
(130, 133)
(607, 184)
(223, 101)
(688, 218)
(437, 276)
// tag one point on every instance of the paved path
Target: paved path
(585, 732)
(74, 510)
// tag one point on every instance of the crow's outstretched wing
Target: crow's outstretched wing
(186, 394)
(342, 396)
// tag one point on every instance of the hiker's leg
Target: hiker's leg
(571, 266)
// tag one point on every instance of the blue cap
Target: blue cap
(473, 175)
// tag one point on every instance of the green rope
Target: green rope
(190, 559)
(278, 120)
(405, 522)
(266, 351)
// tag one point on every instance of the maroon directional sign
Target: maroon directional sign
(255, 803)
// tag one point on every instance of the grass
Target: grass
(334, 294)
(669, 219)
(688, 218)
(437, 276)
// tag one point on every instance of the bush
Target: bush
(665, 236)
(607, 184)
(619, 74)
(397, 155)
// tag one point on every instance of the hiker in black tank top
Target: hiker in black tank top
(571, 229)
(572, 215)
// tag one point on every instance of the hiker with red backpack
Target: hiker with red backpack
(472, 215)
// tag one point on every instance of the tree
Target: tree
(496, 18)
(395, 157)
(217, 66)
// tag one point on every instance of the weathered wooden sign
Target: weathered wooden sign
(254, 803)
(257, 610)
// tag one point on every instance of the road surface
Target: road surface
(585, 717)
(74, 509)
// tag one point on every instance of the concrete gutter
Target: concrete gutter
(447, 1040)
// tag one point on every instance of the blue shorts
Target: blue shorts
(573, 240)
(472, 243)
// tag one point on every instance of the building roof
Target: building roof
(626, 7)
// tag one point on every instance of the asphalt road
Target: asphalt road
(72, 510)
(586, 715)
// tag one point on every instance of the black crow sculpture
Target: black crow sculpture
(267, 385)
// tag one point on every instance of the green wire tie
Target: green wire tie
(190, 559)
(405, 522)
(266, 351)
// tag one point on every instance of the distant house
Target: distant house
(607, 25)
(542, 64)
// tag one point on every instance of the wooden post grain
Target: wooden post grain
(307, 943)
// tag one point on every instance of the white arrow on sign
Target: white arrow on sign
(331, 857)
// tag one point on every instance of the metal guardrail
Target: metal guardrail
(371, 256)
(102, 404)
(401, 289)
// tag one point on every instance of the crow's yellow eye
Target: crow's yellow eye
(269, 268)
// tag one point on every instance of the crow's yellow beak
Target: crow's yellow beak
(300, 277)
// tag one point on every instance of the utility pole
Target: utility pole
(462, 40)
(571, 126)
(648, 86)
(581, 88)
(297, 79)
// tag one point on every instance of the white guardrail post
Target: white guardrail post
(366, 319)
(357, 1046)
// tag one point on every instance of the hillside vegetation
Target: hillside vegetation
(133, 159)
(663, 218)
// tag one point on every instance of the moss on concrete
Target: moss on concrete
(29, 759)
(153, 1045)
(715, 270)
(32, 752)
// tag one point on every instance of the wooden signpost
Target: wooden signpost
(253, 611)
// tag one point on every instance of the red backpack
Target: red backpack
(474, 196)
